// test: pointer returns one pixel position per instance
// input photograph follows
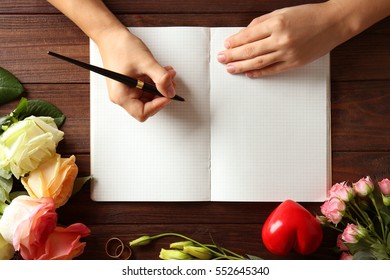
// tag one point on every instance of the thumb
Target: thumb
(163, 78)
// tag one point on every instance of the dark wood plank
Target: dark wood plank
(242, 239)
(360, 116)
(162, 6)
(366, 57)
(351, 166)
(24, 48)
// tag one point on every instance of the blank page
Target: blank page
(167, 157)
(269, 136)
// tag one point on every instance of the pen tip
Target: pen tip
(178, 98)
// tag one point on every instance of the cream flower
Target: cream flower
(28, 143)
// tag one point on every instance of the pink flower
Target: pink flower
(342, 191)
(340, 244)
(30, 226)
(363, 187)
(384, 186)
(352, 233)
(346, 256)
(61, 244)
(333, 209)
(28, 221)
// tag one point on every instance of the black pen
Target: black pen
(115, 76)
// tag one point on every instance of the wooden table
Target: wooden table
(360, 75)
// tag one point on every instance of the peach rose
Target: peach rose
(61, 244)
(54, 178)
(28, 221)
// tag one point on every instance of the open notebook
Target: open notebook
(233, 139)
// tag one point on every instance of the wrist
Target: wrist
(354, 16)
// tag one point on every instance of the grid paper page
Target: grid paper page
(167, 157)
(269, 136)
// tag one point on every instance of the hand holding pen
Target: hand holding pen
(139, 97)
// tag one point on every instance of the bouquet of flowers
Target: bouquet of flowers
(361, 212)
(34, 181)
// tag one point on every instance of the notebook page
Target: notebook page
(269, 136)
(165, 158)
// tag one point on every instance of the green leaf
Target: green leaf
(363, 255)
(79, 183)
(252, 257)
(13, 117)
(44, 108)
(10, 87)
(6, 183)
(14, 195)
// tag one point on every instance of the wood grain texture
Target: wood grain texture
(360, 119)
(365, 57)
(160, 6)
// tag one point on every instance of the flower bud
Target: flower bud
(352, 233)
(342, 191)
(141, 241)
(363, 187)
(173, 255)
(333, 209)
(384, 186)
(386, 200)
(180, 245)
(198, 252)
(321, 219)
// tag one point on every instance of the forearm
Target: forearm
(358, 15)
(91, 16)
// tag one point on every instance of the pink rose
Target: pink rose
(352, 233)
(384, 186)
(28, 221)
(333, 209)
(61, 244)
(342, 191)
(363, 187)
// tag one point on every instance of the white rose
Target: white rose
(28, 143)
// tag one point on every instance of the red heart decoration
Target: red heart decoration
(291, 226)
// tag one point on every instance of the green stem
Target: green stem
(218, 254)
(379, 216)
(333, 227)
(355, 207)
(368, 222)
(225, 250)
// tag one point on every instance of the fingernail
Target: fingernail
(230, 68)
(227, 44)
(171, 91)
(249, 75)
(221, 58)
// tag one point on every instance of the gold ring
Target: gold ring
(117, 250)
(140, 84)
